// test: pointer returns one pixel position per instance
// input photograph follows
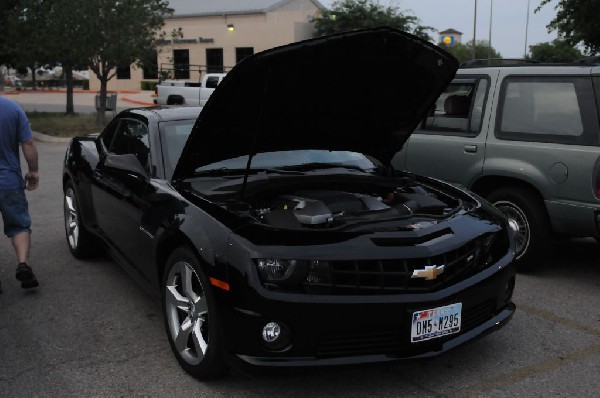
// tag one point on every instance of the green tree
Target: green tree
(24, 36)
(346, 15)
(557, 51)
(120, 32)
(464, 52)
(67, 27)
(577, 22)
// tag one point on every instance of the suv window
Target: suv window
(459, 110)
(547, 109)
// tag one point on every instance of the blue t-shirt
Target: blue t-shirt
(14, 130)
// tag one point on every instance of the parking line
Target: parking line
(558, 319)
(541, 367)
(529, 371)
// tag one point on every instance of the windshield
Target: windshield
(173, 138)
(300, 159)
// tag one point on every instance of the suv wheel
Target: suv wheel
(529, 222)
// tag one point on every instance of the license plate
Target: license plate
(436, 322)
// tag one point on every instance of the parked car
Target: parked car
(183, 92)
(279, 236)
(526, 138)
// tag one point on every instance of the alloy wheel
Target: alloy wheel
(71, 219)
(187, 312)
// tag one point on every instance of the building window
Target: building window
(150, 65)
(243, 52)
(123, 72)
(181, 64)
(214, 60)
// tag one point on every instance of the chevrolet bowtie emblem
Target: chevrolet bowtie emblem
(429, 273)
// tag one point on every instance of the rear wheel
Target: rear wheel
(529, 222)
(175, 100)
(82, 243)
(191, 318)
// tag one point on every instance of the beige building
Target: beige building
(219, 33)
(449, 37)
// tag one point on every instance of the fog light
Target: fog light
(276, 336)
(271, 332)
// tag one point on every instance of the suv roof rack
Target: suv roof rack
(593, 60)
(476, 63)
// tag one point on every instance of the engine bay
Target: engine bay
(331, 208)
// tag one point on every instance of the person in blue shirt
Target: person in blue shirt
(15, 131)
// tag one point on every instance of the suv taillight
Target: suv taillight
(596, 178)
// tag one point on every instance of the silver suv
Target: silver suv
(526, 138)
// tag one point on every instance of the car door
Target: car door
(121, 178)
(450, 143)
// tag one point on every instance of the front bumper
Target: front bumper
(345, 330)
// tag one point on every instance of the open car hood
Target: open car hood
(362, 91)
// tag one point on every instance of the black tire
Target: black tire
(528, 218)
(188, 308)
(175, 100)
(81, 242)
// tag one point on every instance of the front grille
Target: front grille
(395, 276)
(396, 341)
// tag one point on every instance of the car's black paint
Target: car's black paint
(143, 216)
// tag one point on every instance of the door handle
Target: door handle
(470, 148)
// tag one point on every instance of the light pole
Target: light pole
(526, 30)
(474, 30)
(490, 35)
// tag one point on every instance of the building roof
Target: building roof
(450, 31)
(227, 7)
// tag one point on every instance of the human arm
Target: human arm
(31, 156)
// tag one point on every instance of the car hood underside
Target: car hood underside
(363, 91)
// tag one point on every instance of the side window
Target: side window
(212, 81)
(459, 110)
(132, 137)
(547, 109)
(108, 134)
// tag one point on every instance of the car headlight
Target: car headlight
(277, 270)
(292, 273)
(494, 246)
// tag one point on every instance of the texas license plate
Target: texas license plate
(436, 322)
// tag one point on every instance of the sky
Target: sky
(509, 20)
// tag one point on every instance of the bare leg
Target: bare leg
(21, 242)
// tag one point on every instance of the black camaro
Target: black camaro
(271, 224)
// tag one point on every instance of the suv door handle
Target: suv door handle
(470, 148)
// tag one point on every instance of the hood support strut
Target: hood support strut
(259, 120)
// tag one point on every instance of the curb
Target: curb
(136, 102)
(48, 138)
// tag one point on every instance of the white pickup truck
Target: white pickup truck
(179, 92)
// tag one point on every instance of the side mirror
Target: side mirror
(127, 162)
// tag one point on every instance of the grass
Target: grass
(63, 124)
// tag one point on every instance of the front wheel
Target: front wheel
(82, 243)
(191, 318)
(529, 222)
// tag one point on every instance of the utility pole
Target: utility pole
(474, 30)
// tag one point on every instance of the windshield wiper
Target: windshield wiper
(318, 165)
(225, 171)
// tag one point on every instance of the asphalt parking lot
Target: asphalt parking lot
(89, 330)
